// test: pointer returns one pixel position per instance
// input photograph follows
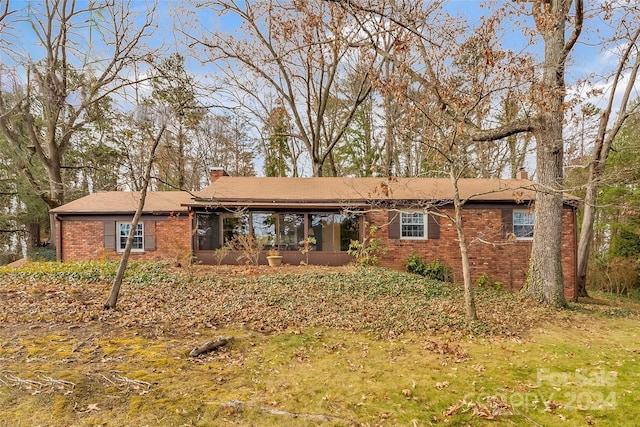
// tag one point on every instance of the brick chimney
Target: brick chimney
(522, 174)
(217, 172)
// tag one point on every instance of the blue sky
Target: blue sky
(587, 57)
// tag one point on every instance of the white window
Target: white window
(523, 224)
(123, 234)
(413, 225)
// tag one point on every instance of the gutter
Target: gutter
(575, 253)
(93, 212)
(327, 204)
(276, 204)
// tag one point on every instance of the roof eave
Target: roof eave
(117, 212)
(275, 204)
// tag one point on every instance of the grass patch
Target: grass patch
(313, 346)
(124, 378)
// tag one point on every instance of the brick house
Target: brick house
(411, 215)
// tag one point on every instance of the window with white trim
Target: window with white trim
(523, 224)
(123, 234)
(413, 225)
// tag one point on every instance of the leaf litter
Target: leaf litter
(385, 302)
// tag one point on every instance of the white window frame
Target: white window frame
(425, 227)
(529, 214)
(119, 246)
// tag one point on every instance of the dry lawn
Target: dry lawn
(312, 346)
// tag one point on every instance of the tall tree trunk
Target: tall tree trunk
(389, 134)
(122, 267)
(596, 169)
(317, 168)
(332, 164)
(181, 159)
(544, 278)
(469, 300)
(586, 236)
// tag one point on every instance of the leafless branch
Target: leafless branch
(132, 382)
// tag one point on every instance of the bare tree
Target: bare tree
(124, 260)
(464, 98)
(437, 98)
(627, 69)
(295, 52)
(85, 53)
(5, 11)
(224, 140)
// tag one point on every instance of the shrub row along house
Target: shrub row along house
(411, 215)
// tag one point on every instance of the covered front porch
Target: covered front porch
(318, 236)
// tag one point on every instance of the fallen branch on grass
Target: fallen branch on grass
(24, 382)
(274, 411)
(57, 382)
(108, 380)
(210, 346)
(135, 383)
(11, 380)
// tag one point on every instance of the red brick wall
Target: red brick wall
(173, 238)
(490, 251)
(83, 240)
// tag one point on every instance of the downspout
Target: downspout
(57, 225)
(194, 230)
(575, 254)
(53, 238)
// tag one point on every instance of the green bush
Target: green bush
(435, 270)
(486, 282)
(46, 254)
(414, 264)
(625, 244)
(367, 251)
